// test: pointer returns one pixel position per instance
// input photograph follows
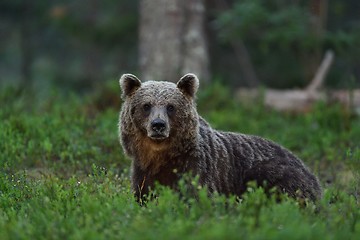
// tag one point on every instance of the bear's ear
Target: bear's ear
(128, 83)
(188, 84)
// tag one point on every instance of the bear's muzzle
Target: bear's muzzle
(158, 129)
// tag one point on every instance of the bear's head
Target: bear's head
(158, 110)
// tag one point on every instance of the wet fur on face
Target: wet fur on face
(156, 101)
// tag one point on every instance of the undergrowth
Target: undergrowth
(64, 175)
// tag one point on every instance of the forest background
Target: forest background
(63, 174)
(278, 44)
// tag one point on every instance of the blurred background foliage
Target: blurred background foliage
(286, 39)
(70, 43)
(77, 44)
(63, 174)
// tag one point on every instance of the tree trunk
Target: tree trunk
(242, 54)
(318, 10)
(26, 47)
(172, 39)
(92, 61)
(194, 49)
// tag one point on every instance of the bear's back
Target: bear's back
(232, 160)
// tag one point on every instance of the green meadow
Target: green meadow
(64, 174)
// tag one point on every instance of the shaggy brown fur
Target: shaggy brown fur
(161, 131)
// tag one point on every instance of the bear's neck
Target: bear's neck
(152, 157)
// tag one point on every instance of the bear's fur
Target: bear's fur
(161, 131)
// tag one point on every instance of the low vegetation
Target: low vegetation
(64, 175)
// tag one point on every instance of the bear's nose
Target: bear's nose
(158, 125)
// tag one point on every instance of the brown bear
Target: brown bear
(161, 131)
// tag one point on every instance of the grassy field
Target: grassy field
(64, 176)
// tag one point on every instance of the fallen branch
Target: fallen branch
(299, 100)
(302, 100)
(321, 73)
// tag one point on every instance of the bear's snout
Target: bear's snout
(158, 129)
(158, 125)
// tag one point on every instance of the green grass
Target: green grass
(64, 176)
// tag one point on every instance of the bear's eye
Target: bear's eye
(170, 108)
(146, 107)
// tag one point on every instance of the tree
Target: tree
(22, 14)
(172, 39)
